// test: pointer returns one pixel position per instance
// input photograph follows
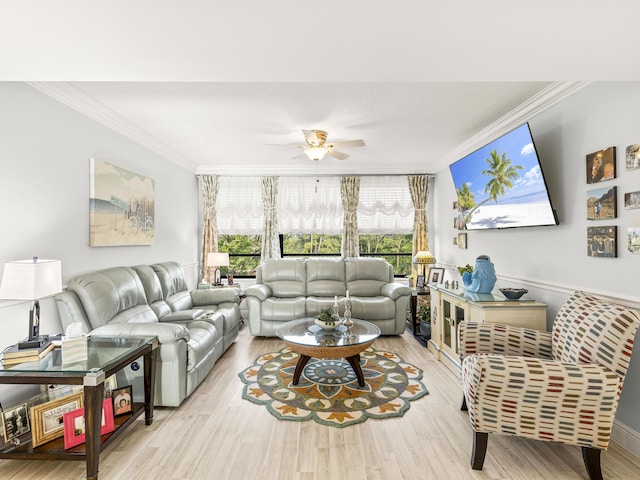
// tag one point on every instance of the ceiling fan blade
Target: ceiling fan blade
(338, 155)
(348, 143)
(310, 136)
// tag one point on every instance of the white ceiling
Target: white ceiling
(212, 85)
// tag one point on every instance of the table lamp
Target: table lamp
(424, 257)
(31, 280)
(217, 259)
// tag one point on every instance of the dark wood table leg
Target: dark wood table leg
(93, 397)
(354, 361)
(302, 361)
(149, 382)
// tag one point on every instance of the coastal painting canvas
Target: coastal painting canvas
(501, 185)
(121, 206)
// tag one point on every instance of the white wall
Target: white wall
(552, 261)
(44, 198)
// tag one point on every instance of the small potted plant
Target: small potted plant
(326, 319)
(467, 268)
(424, 314)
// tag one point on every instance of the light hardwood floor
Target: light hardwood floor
(217, 434)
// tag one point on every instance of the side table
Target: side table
(418, 297)
(106, 356)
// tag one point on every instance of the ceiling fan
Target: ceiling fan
(317, 146)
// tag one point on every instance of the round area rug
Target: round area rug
(328, 390)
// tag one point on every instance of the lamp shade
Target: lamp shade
(316, 153)
(218, 259)
(424, 257)
(31, 279)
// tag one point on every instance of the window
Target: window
(310, 244)
(244, 254)
(394, 248)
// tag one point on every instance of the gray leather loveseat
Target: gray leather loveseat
(193, 328)
(288, 289)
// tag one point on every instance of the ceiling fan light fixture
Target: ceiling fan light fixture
(316, 153)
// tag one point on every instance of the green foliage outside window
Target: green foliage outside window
(244, 250)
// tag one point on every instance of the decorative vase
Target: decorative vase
(425, 330)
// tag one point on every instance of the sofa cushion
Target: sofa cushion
(326, 277)
(114, 294)
(153, 290)
(285, 277)
(373, 308)
(203, 339)
(283, 309)
(366, 276)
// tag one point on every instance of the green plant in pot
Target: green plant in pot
(326, 319)
(424, 314)
(466, 268)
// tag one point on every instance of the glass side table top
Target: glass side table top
(306, 332)
(102, 353)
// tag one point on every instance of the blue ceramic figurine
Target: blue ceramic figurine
(483, 278)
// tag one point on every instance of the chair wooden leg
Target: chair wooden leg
(479, 450)
(591, 457)
(463, 405)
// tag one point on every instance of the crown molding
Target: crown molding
(78, 100)
(547, 98)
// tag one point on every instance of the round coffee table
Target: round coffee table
(309, 340)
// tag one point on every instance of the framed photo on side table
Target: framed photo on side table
(47, 418)
(122, 400)
(420, 282)
(15, 422)
(436, 275)
(74, 427)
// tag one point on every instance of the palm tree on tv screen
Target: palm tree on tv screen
(502, 173)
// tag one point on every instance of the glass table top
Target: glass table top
(102, 353)
(306, 332)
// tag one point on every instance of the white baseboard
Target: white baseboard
(626, 437)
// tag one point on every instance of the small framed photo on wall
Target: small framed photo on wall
(601, 165)
(602, 203)
(602, 241)
(632, 158)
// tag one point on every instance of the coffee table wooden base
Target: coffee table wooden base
(349, 352)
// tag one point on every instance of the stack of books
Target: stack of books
(13, 355)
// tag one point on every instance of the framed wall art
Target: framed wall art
(462, 240)
(121, 206)
(633, 240)
(601, 165)
(602, 203)
(632, 200)
(74, 427)
(47, 418)
(632, 157)
(602, 241)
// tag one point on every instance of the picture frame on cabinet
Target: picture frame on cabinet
(436, 275)
(601, 165)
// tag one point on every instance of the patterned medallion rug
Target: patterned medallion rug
(328, 390)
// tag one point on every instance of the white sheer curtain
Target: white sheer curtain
(309, 205)
(239, 206)
(385, 205)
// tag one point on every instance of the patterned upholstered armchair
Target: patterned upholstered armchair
(560, 386)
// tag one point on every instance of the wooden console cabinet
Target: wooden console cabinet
(450, 307)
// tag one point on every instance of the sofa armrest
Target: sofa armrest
(260, 291)
(557, 397)
(183, 315)
(214, 296)
(495, 338)
(166, 332)
(395, 290)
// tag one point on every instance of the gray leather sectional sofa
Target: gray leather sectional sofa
(288, 289)
(194, 328)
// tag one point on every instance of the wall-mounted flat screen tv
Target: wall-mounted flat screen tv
(501, 185)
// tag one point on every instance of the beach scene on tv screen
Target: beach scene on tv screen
(501, 185)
